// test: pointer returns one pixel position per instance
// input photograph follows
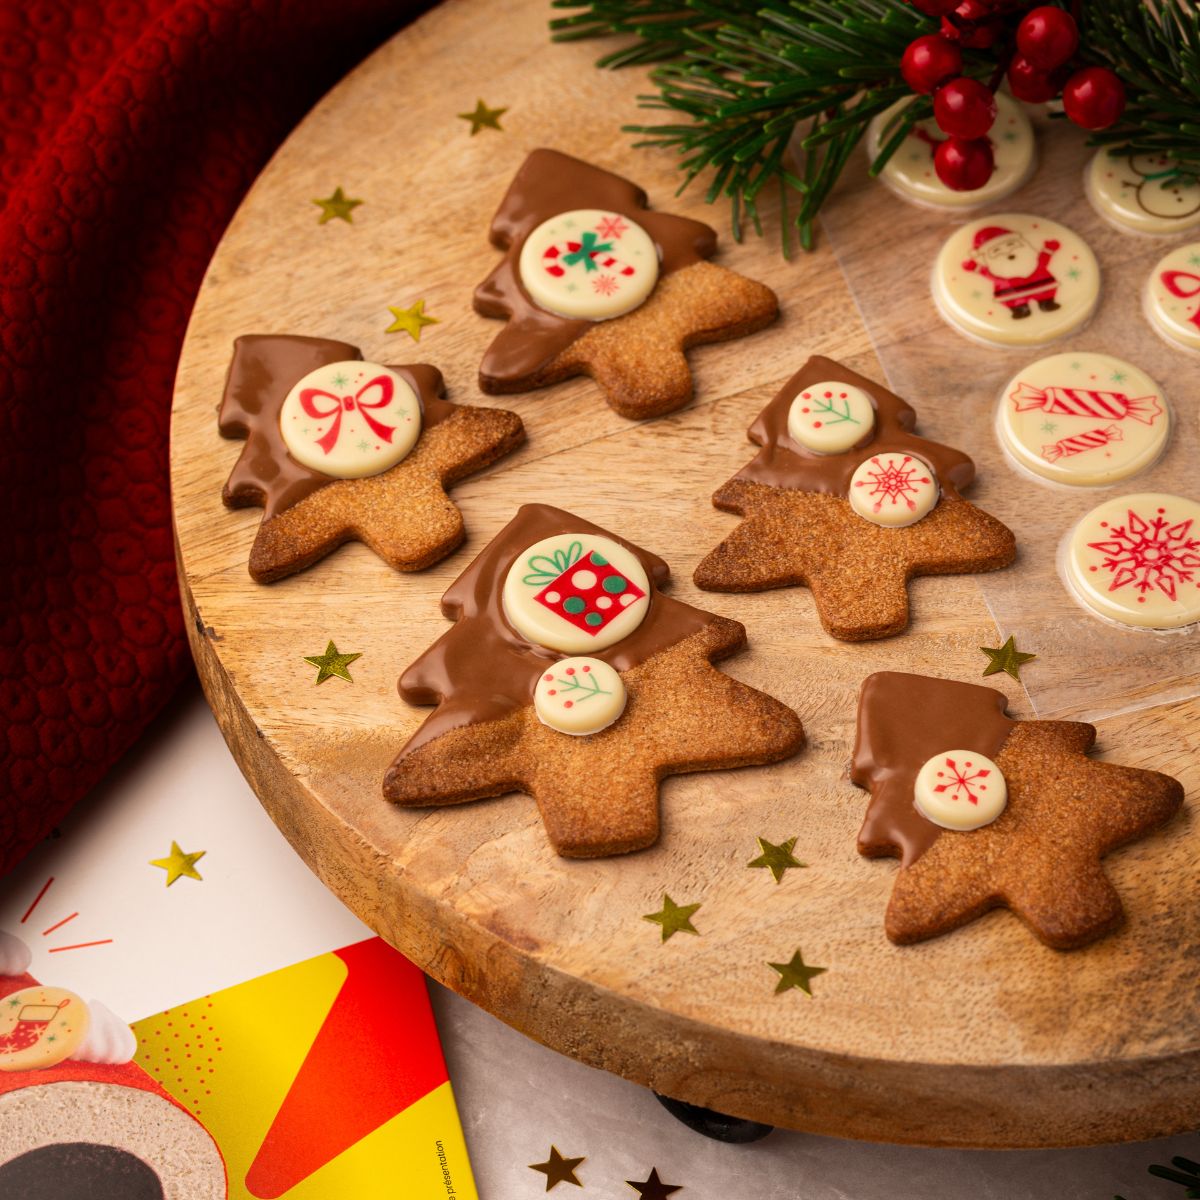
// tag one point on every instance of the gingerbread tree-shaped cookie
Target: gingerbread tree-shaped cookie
(985, 811)
(594, 283)
(569, 675)
(844, 498)
(338, 449)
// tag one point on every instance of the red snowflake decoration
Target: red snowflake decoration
(962, 784)
(606, 285)
(1149, 553)
(611, 227)
(895, 482)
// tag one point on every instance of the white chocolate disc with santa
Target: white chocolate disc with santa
(1015, 280)
(831, 417)
(350, 419)
(910, 174)
(1172, 298)
(576, 592)
(579, 696)
(40, 1027)
(893, 490)
(588, 263)
(1142, 193)
(1083, 418)
(959, 789)
(1136, 559)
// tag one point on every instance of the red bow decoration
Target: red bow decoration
(345, 404)
(1186, 290)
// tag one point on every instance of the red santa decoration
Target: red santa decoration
(1020, 274)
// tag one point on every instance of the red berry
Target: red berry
(1047, 36)
(973, 25)
(1094, 98)
(964, 165)
(934, 8)
(1032, 84)
(964, 108)
(928, 61)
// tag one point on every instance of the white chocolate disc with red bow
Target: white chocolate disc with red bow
(576, 592)
(893, 489)
(959, 789)
(579, 696)
(350, 419)
(829, 418)
(40, 1027)
(1173, 297)
(588, 263)
(1142, 193)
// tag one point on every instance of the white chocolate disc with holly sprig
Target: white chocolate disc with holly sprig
(579, 696)
(588, 263)
(350, 419)
(830, 418)
(959, 789)
(40, 1027)
(576, 592)
(1173, 297)
(1142, 193)
(893, 489)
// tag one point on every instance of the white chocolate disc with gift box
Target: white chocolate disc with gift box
(910, 174)
(350, 419)
(576, 592)
(829, 418)
(959, 789)
(589, 263)
(1083, 418)
(579, 696)
(40, 1027)
(1142, 193)
(893, 490)
(1173, 297)
(1136, 559)
(1015, 280)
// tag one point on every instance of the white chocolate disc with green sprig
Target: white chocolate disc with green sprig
(579, 696)
(829, 418)
(1142, 193)
(1172, 300)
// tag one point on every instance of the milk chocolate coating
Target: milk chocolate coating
(482, 669)
(547, 184)
(903, 721)
(78, 1171)
(265, 367)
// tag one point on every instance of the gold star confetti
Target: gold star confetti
(483, 117)
(776, 858)
(795, 974)
(558, 1169)
(410, 320)
(653, 1188)
(674, 918)
(339, 206)
(1006, 658)
(177, 864)
(332, 663)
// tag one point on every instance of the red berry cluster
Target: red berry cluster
(1038, 58)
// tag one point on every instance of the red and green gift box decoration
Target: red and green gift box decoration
(582, 587)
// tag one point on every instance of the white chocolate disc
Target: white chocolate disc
(40, 1027)
(959, 789)
(1173, 297)
(588, 263)
(828, 418)
(893, 489)
(575, 592)
(1131, 193)
(350, 419)
(910, 174)
(1136, 559)
(1083, 418)
(579, 696)
(1015, 280)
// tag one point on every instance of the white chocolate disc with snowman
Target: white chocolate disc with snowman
(350, 419)
(1172, 299)
(1142, 193)
(1082, 418)
(830, 417)
(588, 263)
(1014, 279)
(893, 489)
(959, 789)
(910, 172)
(579, 696)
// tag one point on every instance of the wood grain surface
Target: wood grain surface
(981, 1038)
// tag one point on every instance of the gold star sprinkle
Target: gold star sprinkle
(339, 206)
(332, 663)
(1006, 658)
(177, 864)
(776, 858)
(653, 1188)
(674, 918)
(795, 974)
(410, 320)
(558, 1169)
(483, 117)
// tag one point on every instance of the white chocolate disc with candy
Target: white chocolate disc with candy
(959, 789)
(1139, 193)
(893, 489)
(40, 1027)
(829, 418)
(1015, 280)
(910, 174)
(1173, 297)
(350, 419)
(579, 696)
(576, 592)
(1083, 418)
(1136, 559)
(588, 264)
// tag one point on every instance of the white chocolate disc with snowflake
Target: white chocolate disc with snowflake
(579, 696)
(40, 1027)
(1172, 299)
(1012, 279)
(1083, 418)
(1142, 193)
(576, 592)
(588, 263)
(910, 174)
(1136, 559)
(893, 489)
(350, 419)
(829, 418)
(959, 789)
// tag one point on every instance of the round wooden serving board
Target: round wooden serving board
(980, 1038)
